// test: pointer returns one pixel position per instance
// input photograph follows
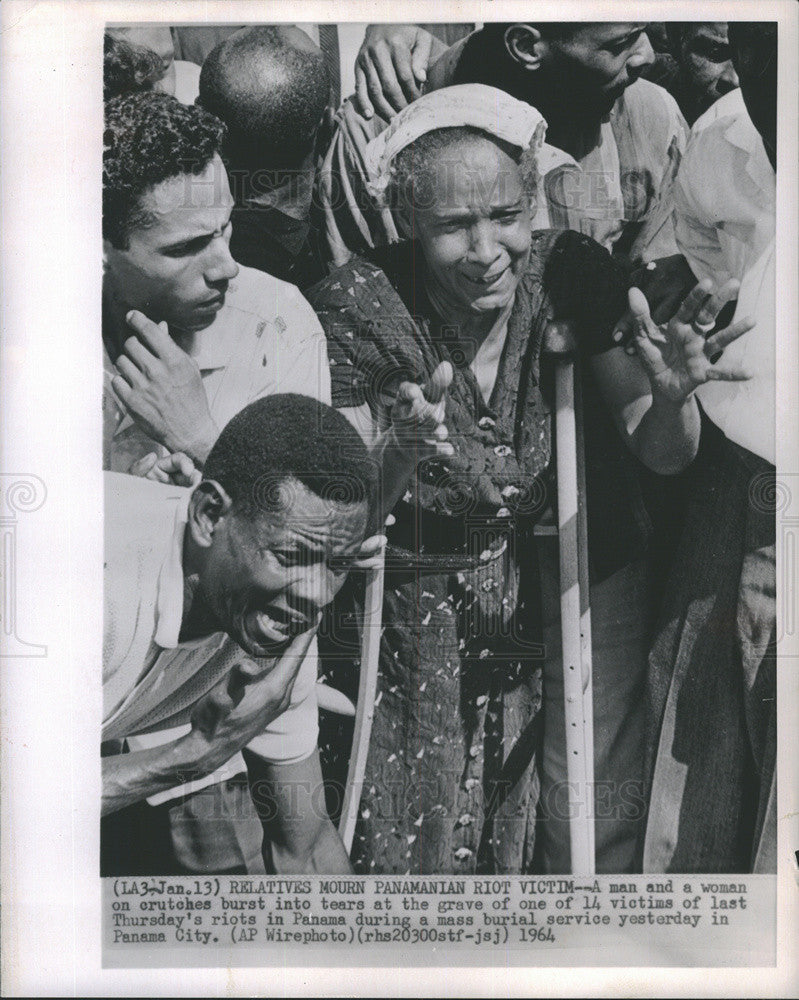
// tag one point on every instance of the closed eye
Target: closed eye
(189, 248)
(616, 48)
(507, 217)
(452, 225)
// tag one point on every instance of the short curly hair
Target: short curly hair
(128, 68)
(149, 138)
(291, 437)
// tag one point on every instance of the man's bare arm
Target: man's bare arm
(130, 777)
(291, 799)
(223, 722)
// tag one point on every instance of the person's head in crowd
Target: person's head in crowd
(574, 70)
(463, 192)
(166, 211)
(127, 68)
(663, 70)
(706, 72)
(270, 87)
(754, 54)
(657, 33)
(280, 514)
(158, 39)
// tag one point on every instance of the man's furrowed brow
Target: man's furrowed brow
(197, 236)
(187, 242)
(507, 206)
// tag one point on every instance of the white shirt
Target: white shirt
(266, 339)
(187, 81)
(725, 220)
(150, 680)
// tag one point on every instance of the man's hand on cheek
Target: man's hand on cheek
(242, 705)
(163, 391)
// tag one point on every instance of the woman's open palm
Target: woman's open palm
(677, 356)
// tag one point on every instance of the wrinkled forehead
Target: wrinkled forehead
(472, 169)
(715, 31)
(207, 191)
(286, 512)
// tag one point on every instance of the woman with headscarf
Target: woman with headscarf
(452, 782)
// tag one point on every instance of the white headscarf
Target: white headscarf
(469, 104)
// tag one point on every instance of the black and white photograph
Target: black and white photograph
(446, 517)
(438, 259)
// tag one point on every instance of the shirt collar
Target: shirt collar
(212, 347)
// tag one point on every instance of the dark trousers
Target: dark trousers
(712, 676)
(215, 831)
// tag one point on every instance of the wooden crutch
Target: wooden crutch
(575, 609)
(364, 713)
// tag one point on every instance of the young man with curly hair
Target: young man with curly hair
(193, 337)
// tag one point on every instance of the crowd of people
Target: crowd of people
(325, 331)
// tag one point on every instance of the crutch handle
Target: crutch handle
(560, 338)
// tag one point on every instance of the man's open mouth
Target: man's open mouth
(273, 627)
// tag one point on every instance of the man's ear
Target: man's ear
(525, 45)
(208, 504)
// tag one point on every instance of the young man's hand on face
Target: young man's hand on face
(162, 388)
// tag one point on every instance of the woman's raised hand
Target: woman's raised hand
(678, 356)
(417, 416)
